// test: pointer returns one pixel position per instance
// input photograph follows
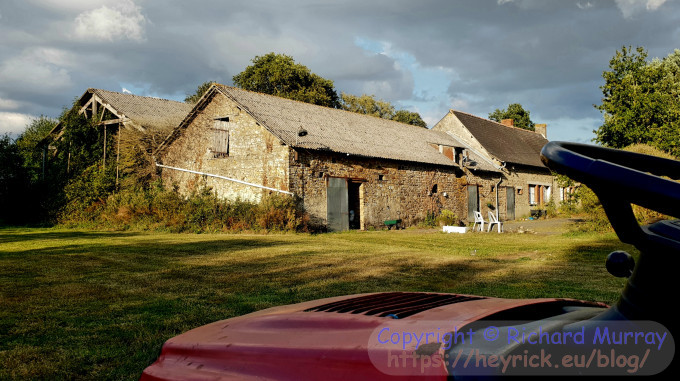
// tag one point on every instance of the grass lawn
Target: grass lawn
(78, 304)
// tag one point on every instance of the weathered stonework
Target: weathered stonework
(519, 177)
(389, 190)
(255, 155)
(378, 189)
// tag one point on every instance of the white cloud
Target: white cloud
(126, 91)
(13, 122)
(124, 20)
(652, 5)
(631, 7)
(8, 104)
(501, 2)
(42, 69)
(587, 5)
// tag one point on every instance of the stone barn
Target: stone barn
(351, 171)
(527, 184)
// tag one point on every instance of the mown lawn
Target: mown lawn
(79, 304)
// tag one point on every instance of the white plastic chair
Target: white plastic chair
(494, 220)
(478, 220)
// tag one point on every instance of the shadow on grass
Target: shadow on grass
(101, 308)
(10, 235)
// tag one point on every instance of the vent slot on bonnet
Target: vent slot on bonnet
(394, 304)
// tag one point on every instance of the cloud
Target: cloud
(8, 104)
(631, 7)
(41, 69)
(587, 5)
(13, 122)
(121, 21)
(126, 91)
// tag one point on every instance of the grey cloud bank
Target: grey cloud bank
(427, 56)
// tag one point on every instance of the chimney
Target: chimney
(508, 122)
(542, 129)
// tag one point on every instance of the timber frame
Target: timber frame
(113, 112)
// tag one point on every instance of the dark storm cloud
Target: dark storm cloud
(546, 54)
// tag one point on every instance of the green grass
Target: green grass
(79, 304)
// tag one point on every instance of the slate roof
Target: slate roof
(143, 111)
(508, 144)
(336, 130)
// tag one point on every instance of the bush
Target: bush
(158, 208)
(448, 218)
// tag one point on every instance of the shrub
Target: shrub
(448, 218)
(158, 208)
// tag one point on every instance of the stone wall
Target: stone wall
(389, 190)
(255, 155)
(519, 177)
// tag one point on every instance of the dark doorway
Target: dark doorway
(473, 202)
(510, 203)
(354, 204)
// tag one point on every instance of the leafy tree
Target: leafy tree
(408, 117)
(641, 101)
(12, 180)
(517, 113)
(82, 143)
(367, 104)
(280, 75)
(196, 96)
(28, 145)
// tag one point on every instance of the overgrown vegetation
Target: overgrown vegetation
(96, 178)
(158, 208)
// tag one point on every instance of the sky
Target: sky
(427, 56)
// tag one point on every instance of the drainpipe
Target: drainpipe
(497, 185)
(500, 180)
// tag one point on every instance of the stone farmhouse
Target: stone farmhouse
(528, 184)
(352, 171)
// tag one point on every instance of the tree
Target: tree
(367, 104)
(517, 113)
(641, 101)
(196, 96)
(13, 183)
(408, 117)
(28, 141)
(280, 75)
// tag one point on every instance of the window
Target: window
(539, 194)
(532, 195)
(220, 138)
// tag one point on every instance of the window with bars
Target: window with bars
(220, 138)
